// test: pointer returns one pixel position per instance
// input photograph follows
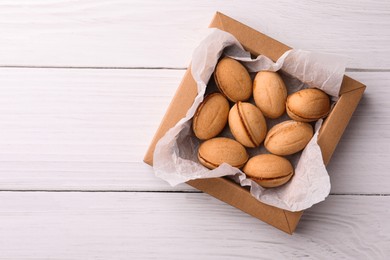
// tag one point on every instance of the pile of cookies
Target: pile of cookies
(248, 125)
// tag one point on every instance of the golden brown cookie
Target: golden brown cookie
(211, 116)
(233, 80)
(288, 137)
(247, 124)
(269, 170)
(308, 105)
(216, 151)
(270, 93)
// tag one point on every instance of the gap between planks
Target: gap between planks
(176, 191)
(145, 68)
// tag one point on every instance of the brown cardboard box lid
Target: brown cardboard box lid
(225, 190)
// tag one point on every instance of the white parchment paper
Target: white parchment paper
(175, 157)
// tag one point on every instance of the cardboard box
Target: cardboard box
(226, 190)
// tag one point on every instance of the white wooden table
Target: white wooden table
(83, 87)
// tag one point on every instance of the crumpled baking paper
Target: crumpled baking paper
(175, 156)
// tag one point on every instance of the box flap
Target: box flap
(253, 41)
(177, 109)
(335, 124)
(243, 200)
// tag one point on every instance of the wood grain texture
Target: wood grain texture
(88, 129)
(163, 34)
(62, 129)
(178, 225)
(69, 129)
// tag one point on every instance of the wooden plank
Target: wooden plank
(83, 129)
(178, 225)
(164, 34)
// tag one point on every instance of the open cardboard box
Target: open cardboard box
(329, 136)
